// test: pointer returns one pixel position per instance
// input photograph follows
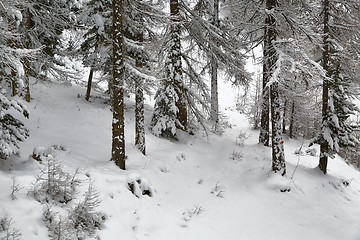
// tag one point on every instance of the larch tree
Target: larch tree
(202, 39)
(117, 86)
(141, 20)
(94, 19)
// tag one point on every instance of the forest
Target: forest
(113, 111)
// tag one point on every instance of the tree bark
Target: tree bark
(271, 57)
(214, 72)
(268, 62)
(284, 118)
(175, 74)
(292, 118)
(139, 103)
(88, 88)
(324, 146)
(118, 125)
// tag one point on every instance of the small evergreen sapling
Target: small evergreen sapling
(54, 183)
(84, 217)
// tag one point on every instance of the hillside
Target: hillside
(202, 188)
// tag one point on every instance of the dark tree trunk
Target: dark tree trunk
(271, 57)
(118, 125)
(268, 65)
(175, 58)
(324, 146)
(292, 118)
(277, 144)
(27, 65)
(139, 104)
(88, 88)
(284, 118)
(214, 72)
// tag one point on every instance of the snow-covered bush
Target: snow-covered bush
(78, 223)
(6, 231)
(241, 138)
(84, 217)
(54, 183)
(12, 130)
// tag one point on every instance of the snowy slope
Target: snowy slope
(200, 190)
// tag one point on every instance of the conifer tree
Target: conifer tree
(170, 110)
(340, 53)
(12, 130)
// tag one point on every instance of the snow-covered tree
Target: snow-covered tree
(12, 130)
(43, 23)
(141, 20)
(170, 110)
(95, 20)
(340, 55)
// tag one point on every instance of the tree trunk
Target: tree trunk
(284, 118)
(27, 65)
(268, 62)
(88, 88)
(214, 72)
(277, 144)
(324, 146)
(271, 57)
(118, 125)
(139, 103)
(292, 118)
(139, 117)
(175, 74)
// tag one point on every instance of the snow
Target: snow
(198, 190)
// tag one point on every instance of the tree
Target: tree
(95, 20)
(141, 20)
(340, 53)
(12, 130)
(117, 86)
(43, 23)
(170, 110)
(202, 39)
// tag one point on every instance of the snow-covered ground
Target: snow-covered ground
(203, 188)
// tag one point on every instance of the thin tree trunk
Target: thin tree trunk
(139, 117)
(27, 65)
(214, 72)
(268, 52)
(324, 146)
(292, 118)
(175, 58)
(118, 125)
(284, 118)
(139, 104)
(88, 88)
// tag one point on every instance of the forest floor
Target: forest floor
(203, 187)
